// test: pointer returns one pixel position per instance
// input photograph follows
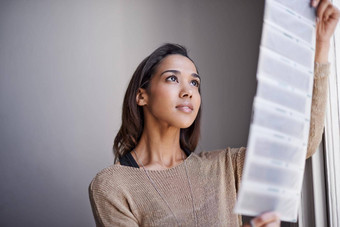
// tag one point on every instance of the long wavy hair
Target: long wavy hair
(133, 117)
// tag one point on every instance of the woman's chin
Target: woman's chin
(185, 125)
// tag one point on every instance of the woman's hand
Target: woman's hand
(327, 19)
(268, 219)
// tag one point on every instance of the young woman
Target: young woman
(156, 179)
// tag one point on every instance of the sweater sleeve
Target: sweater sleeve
(318, 109)
(238, 157)
(108, 208)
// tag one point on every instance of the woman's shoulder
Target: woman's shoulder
(111, 177)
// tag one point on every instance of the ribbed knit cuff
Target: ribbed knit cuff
(321, 69)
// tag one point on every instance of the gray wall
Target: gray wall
(64, 68)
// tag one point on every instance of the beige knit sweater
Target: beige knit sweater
(123, 195)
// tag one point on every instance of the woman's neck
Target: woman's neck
(159, 148)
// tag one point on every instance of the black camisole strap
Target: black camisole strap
(128, 160)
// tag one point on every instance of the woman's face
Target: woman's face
(173, 97)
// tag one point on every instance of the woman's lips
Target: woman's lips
(187, 108)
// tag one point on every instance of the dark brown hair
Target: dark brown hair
(133, 117)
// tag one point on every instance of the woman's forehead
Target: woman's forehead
(176, 62)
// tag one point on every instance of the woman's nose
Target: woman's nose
(185, 92)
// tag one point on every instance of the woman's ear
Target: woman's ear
(141, 97)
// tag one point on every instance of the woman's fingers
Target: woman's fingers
(328, 12)
(325, 9)
(327, 19)
(331, 12)
(321, 9)
(266, 219)
(272, 225)
(315, 3)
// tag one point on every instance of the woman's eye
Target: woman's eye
(172, 78)
(195, 83)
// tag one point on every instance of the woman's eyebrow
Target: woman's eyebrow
(196, 76)
(178, 72)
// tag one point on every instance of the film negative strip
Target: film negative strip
(277, 143)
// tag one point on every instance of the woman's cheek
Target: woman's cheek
(164, 100)
(198, 101)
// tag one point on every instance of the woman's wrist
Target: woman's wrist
(322, 51)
